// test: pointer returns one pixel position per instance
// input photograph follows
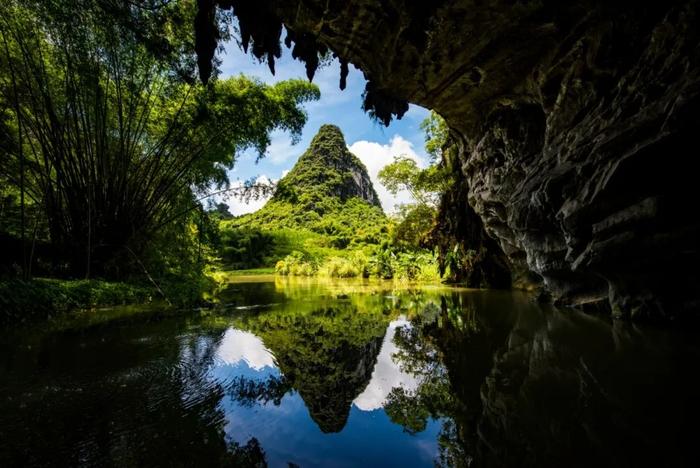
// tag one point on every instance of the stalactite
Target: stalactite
(261, 28)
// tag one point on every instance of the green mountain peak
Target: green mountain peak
(328, 195)
(328, 168)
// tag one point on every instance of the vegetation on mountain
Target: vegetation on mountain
(327, 192)
(325, 218)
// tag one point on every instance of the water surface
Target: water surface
(349, 373)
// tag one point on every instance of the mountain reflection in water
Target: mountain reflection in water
(350, 374)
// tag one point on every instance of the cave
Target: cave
(573, 123)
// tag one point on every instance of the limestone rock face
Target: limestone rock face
(576, 123)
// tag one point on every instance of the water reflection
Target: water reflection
(130, 395)
(239, 346)
(522, 385)
(387, 375)
(351, 374)
(331, 349)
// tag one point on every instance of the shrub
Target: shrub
(415, 266)
(380, 264)
(341, 268)
(296, 264)
(281, 268)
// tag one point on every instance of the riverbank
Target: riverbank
(44, 298)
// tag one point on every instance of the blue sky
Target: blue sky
(373, 143)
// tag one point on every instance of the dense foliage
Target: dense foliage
(107, 145)
(327, 192)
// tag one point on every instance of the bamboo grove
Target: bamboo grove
(107, 142)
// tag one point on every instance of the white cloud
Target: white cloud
(238, 206)
(237, 346)
(386, 374)
(375, 156)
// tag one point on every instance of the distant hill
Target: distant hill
(328, 192)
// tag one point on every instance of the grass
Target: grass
(250, 272)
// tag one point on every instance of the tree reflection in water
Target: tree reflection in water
(420, 355)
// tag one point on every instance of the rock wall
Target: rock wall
(576, 125)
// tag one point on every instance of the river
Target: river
(316, 373)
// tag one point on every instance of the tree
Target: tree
(109, 139)
(437, 136)
(426, 186)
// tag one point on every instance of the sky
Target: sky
(374, 144)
